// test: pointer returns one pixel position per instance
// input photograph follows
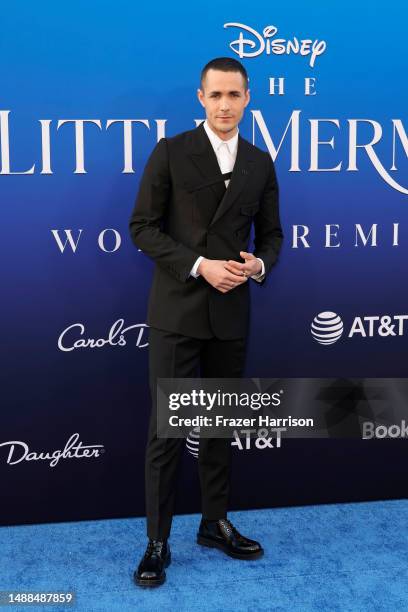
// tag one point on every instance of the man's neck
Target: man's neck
(224, 135)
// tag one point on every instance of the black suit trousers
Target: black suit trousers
(172, 355)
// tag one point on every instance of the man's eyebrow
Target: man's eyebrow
(232, 91)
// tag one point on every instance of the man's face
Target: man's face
(224, 99)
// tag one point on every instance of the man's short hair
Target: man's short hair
(226, 64)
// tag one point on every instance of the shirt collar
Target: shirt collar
(216, 141)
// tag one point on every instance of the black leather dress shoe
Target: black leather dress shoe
(223, 535)
(151, 568)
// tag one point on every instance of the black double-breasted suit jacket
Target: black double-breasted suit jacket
(183, 211)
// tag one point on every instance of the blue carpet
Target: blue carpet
(345, 557)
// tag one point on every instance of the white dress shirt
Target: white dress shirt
(226, 152)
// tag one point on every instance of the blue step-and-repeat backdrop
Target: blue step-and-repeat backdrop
(87, 89)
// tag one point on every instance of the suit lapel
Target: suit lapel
(204, 157)
(242, 169)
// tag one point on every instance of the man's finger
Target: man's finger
(223, 287)
(236, 278)
(246, 255)
(232, 281)
(245, 269)
(235, 264)
(233, 275)
(234, 269)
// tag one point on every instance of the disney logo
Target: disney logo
(116, 337)
(70, 451)
(263, 43)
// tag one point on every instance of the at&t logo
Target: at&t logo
(327, 327)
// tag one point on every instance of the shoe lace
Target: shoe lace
(155, 547)
(230, 527)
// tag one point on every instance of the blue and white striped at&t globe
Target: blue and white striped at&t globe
(193, 442)
(327, 327)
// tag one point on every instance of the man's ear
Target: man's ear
(248, 97)
(200, 96)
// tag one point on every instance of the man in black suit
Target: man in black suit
(199, 195)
